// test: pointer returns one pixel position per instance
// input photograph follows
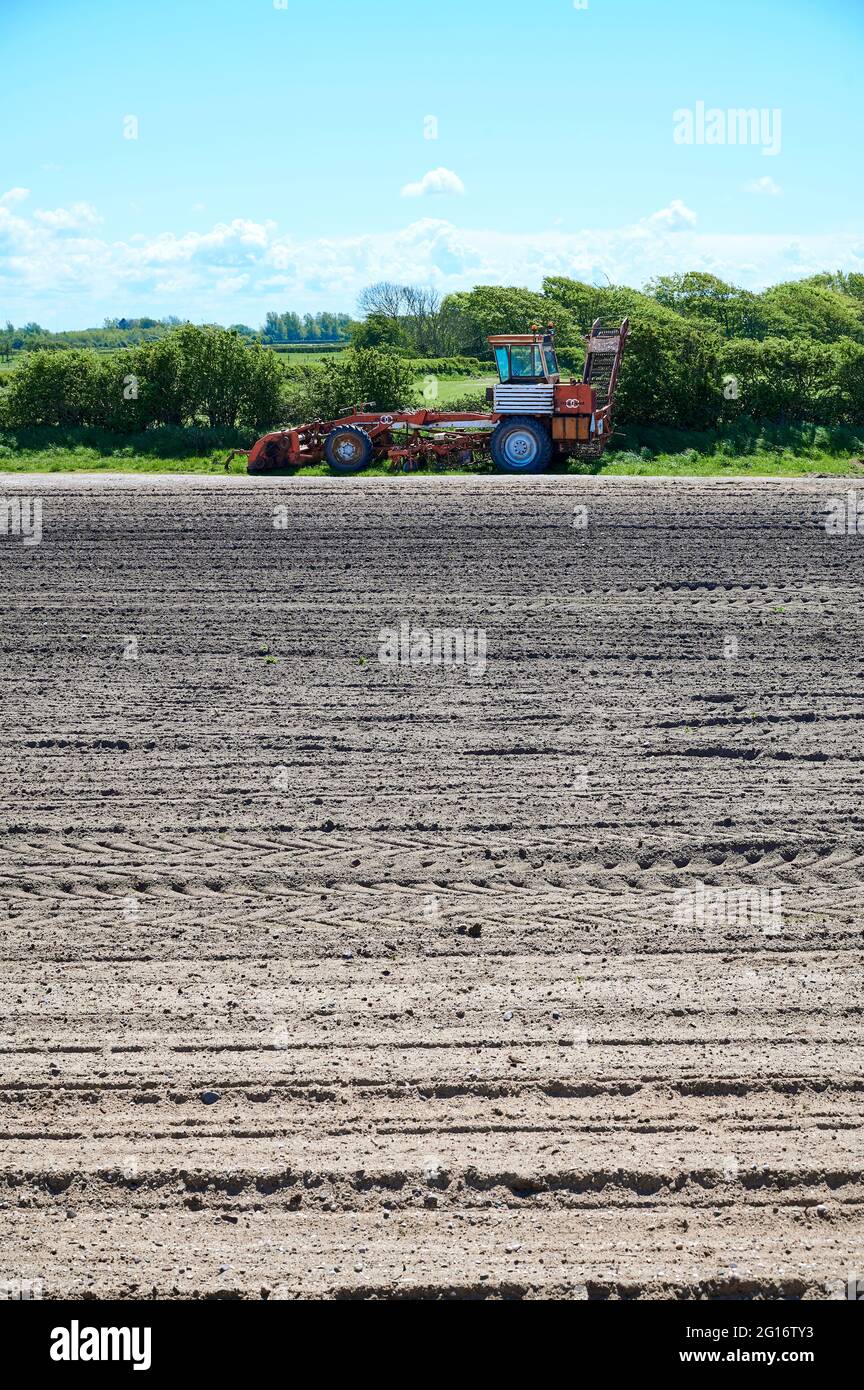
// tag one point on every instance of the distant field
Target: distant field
(451, 388)
(304, 359)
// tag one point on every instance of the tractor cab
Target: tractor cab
(526, 358)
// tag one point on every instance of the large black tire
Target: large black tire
(521, 444)
(348, 449)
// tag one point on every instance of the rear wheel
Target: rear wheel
(348, 449)
(521, 444)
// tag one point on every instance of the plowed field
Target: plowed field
(322, 976)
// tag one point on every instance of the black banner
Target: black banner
(232, 1338)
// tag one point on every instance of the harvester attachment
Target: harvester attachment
(603, 359)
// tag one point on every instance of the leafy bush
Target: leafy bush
(498, 309)
(166, 386)
(378, 331)
(188, 374)
(52, 388)
(794, 379)
(226, 380)
(331, 389)
(116, 398)
(571, 361)
(669, 373)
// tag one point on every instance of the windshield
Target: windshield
(525, 360)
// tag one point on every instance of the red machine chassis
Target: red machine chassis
(293, 448)
(405, 437)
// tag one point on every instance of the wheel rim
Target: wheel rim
(519, 448)
(347, 448)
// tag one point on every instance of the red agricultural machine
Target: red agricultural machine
(535, 417)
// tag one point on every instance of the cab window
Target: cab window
(524, 361)
(502, 359)
(551, 361)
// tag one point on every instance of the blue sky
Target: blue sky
(281, 157)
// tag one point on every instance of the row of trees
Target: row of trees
(311, 328)
(408, 317)
(689, 363)
(191, 375)
(195, 376)
(114, 334)
(823, 308)
(683, 366)
(416, 319)
(118, 333)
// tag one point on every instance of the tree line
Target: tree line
(195, 376)
(701, 354)
(192, 374)
(310, 328)
(118, 333)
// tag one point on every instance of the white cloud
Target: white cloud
(437, 181)
(763, 185)
(237, 270)
(230, 284)
(13, 196)
(675, 217)
(69, 219)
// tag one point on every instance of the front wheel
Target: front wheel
(521, 444)
(348, 449)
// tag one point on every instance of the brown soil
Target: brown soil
(326, 977)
